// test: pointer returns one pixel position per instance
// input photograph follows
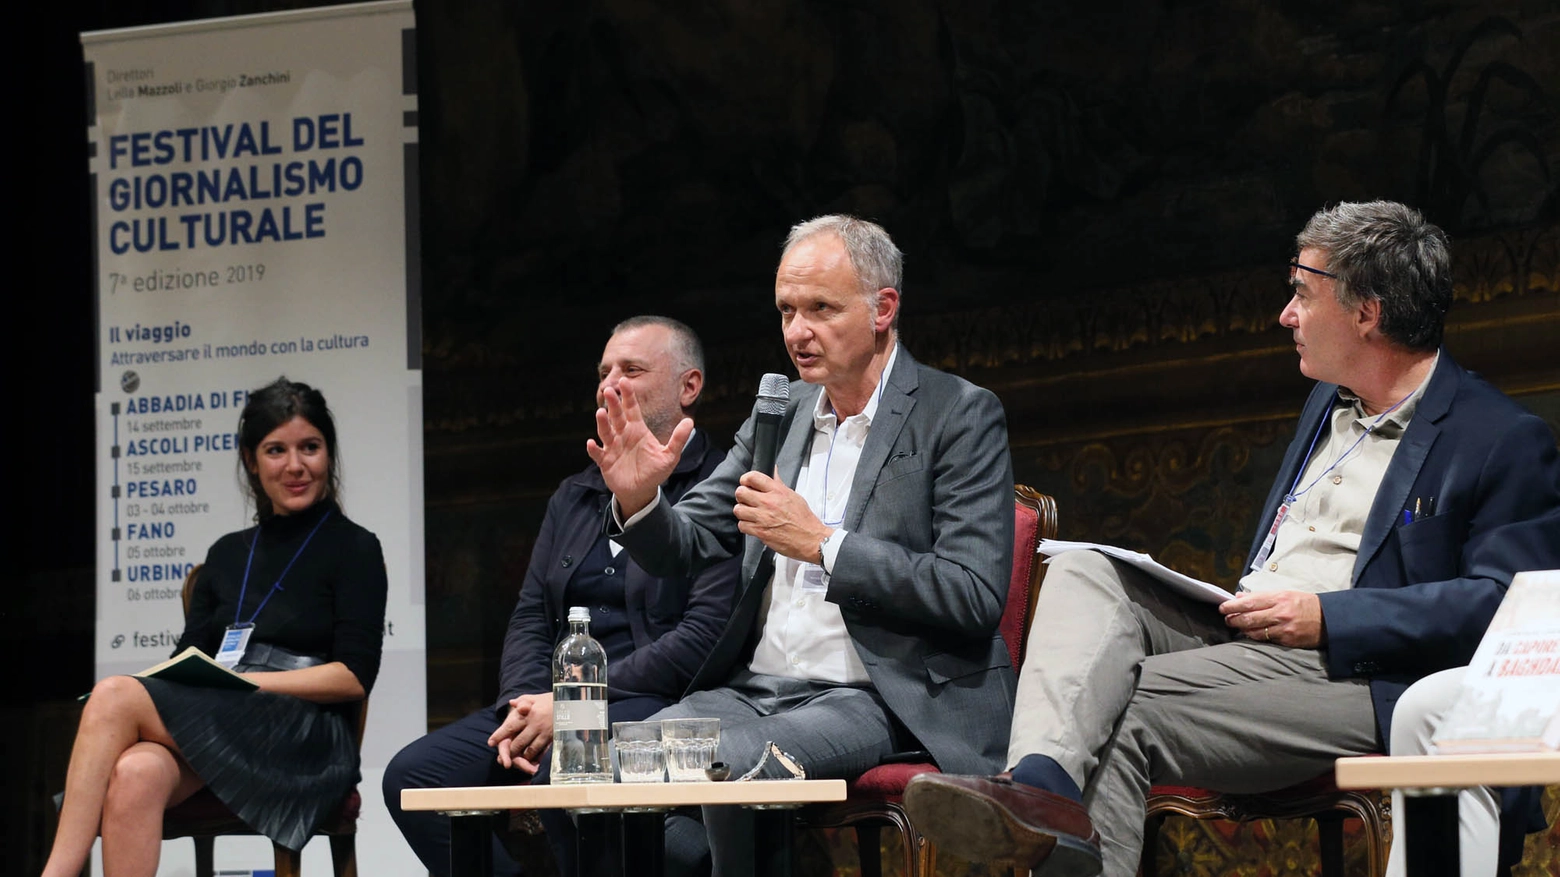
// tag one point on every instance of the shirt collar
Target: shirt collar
(823, 412)
(1397, 419)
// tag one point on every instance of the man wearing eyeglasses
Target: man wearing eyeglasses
(1411, 494)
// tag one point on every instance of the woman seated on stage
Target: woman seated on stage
(302, 597)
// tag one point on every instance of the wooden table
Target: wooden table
(643, 806)
(1430, 784)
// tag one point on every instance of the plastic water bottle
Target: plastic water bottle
(579, 747)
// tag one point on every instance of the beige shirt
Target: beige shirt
(1319, 539)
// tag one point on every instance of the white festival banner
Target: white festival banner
(254, 186)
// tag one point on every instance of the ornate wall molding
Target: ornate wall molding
(488, 387)
(1163, 313)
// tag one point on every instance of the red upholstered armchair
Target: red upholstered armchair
(874, 797)
(203, 818)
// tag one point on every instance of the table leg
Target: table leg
(644, 843)
(471, 843)
(774, 841)
(596, 840)
(1431, 828)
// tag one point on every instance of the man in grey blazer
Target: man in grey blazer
(876, 557)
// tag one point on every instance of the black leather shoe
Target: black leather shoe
(993, 819)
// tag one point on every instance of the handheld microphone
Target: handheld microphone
(774, 392)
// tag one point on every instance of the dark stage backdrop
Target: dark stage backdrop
(1096, 202)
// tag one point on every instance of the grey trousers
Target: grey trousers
(834, 732)
(1127, 685)
(1414, 720)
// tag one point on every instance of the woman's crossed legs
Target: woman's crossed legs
(124, 772)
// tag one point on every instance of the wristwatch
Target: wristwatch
(823, 543)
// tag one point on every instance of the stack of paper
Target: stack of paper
(1181, 584)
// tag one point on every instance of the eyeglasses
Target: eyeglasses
(721, 772)
(1295, 263)
(787, 762)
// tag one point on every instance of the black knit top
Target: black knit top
(331, 602)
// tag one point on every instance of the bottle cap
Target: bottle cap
(579, 613)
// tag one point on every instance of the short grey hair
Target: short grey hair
(687, 349)
(878, 263)
(1387, 251)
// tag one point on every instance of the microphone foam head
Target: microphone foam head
(774, 391)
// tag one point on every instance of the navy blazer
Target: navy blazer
(674, 619)
(1424, 592)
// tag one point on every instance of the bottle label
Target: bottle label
(579, 715)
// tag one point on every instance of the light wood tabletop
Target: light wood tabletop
(1449, 771)
(623, 795)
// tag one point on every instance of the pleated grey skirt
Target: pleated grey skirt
(280, 763)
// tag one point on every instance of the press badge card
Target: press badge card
(813, 579)
(234, 641)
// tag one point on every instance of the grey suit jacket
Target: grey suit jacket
(922, 575)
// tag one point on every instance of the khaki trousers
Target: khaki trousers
(1127, 685)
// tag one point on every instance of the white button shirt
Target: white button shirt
(804, 635)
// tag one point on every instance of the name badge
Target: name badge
(1272, 536)
(234, 641)
(814, 581)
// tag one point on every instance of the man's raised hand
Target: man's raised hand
(633, 461)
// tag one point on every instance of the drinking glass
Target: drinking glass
(690, 748)
(640, 755)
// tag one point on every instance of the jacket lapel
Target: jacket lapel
(1312, 416)
(798, 432)
(1403, 471)
(893, 411)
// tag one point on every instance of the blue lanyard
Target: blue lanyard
(1326, 419)
(242, 589)
(838, 425)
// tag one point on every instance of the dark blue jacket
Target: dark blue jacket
(674, 620)
(1424, 592)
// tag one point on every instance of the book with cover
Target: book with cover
(193, 667)
(1510, 697)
